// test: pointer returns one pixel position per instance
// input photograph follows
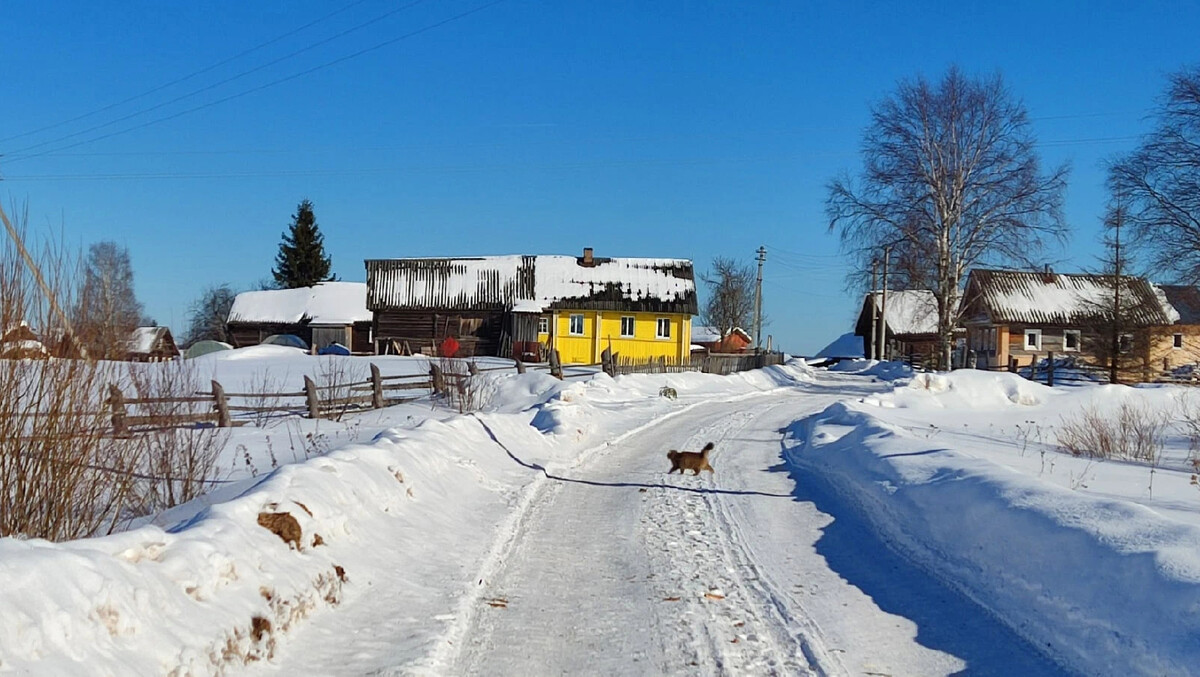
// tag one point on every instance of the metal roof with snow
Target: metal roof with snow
(526, 283)
(1060, 299)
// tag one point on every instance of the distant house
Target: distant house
(1177, 344)
(20, 341)
(523, 305)
(910, 321)
(328, 312)
(1027, 315)
(152, 344)
(709, 338)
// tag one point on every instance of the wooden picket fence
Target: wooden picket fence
(220, 408)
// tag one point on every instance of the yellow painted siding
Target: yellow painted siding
(603, 330)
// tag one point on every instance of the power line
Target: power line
(17, 153)
(187, 77)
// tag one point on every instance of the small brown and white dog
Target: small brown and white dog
(690, 460)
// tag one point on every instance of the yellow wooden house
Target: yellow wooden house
(522, 306)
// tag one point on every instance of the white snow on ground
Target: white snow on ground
(1097, 562)
(917, 525)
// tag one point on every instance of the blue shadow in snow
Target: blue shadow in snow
(946, 620)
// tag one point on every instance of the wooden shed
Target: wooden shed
(152, 344)
(911, 324)
(328, 312)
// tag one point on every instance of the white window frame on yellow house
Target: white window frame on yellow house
(543, 325)
(659, 333)
(632, 325)
(571, 330)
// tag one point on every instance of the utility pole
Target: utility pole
(1116, 337)
(762, 257)
(873, 344)
(883, 307)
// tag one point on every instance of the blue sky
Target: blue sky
(693, 130)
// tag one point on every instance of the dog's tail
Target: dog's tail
(707, 448)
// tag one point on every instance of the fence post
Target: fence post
(117, 400)
(310, 392)
(520, 365)
(1050, 368)
(555, 365)
(1012, 364)
(376, 387)
(472, 369)
(438, 379)
(606, 362)
(221, 404)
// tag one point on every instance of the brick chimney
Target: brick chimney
(587, 261)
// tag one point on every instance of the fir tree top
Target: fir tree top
(301, 261)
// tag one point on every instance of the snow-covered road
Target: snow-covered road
(617, 568)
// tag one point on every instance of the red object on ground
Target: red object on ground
(449, 347)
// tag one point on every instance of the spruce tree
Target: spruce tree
(301, 261)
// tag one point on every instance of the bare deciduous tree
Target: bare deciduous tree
(208, 315)
(1161, 183)
(950, 180)
(108, 310)
(730, 296)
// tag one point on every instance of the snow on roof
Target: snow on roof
(707, 334)
(323, 303)
(1064, 299)
(912, 311)
(1184, 299)
(143, 339)
(527, 281)
(561, 277)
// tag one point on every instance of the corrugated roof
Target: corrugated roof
(1063, 299)
(549, 282)
(1185, 300)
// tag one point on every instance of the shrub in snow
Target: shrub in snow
(1134, 433)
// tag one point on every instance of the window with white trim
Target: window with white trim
(663, 328)
(1071, 339)
(543, 325)
(627, 327)
(1033, 339)
(1177, 341)
(576, 326)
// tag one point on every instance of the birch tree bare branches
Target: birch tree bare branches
(950, 180)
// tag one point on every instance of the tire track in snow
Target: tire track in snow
(732, 621)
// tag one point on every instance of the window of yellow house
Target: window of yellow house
(543, 325)
(663, 330)
(626, 327)
(576, 326)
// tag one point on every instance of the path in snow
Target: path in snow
(621, 569)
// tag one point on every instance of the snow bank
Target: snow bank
(212, 588)
(887, 371)
(1105, 584)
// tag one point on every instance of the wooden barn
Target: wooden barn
(328, 312)
(910, 324)
(524, 305)
(152, 344)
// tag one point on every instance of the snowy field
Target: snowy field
(860, 521)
